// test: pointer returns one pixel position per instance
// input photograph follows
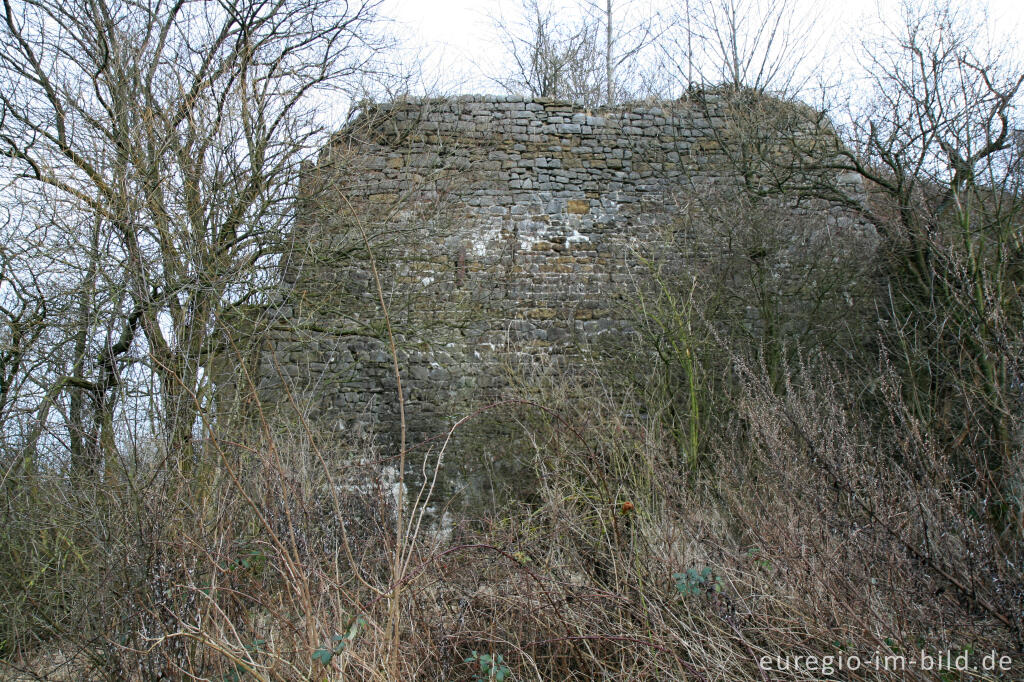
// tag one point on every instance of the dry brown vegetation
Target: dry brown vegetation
(822, 532)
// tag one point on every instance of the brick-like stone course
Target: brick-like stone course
(507, 232)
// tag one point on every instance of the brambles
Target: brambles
(492, 667)
(694, 582)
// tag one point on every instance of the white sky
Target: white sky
(458, 43)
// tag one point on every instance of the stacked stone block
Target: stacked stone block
(508, 235)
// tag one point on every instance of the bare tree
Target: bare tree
(550, 58)
(757, 44)
(936, 143)
(625, 43)
(579, 59)
(176, 129)
(23, 317)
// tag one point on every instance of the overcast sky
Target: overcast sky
(458, 42)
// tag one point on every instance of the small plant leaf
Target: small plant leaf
(324, 656)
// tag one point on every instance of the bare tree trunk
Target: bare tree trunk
(689, 44)
(85, 452)
(609, 51)
(76, 427)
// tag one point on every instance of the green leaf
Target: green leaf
(256, 645)
(323, 655)
(339, 644)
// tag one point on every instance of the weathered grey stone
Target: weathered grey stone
(497, 248)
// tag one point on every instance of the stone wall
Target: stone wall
(509, 234)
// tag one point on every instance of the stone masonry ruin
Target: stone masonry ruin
(507, 233)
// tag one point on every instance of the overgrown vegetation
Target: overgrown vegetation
(826, 462)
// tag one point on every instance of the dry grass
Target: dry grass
(822, 535)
